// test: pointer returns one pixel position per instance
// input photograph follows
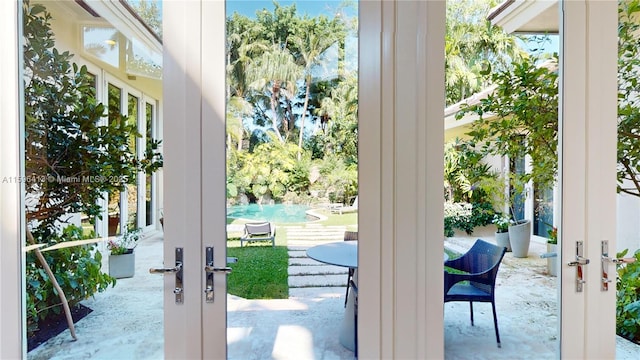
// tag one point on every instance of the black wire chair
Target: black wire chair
(476, 283)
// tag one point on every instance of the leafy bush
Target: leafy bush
(628, 299)
(465, 216)
(463, 170)
(77, 270)
(270, 171)
(338, 179)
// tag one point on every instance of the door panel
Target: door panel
(588, 172)
(194, 173)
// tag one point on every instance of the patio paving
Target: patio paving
(305, 326)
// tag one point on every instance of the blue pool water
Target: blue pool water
(280, 213)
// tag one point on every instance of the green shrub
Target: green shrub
(628, 299)
(466, 217)
(77, 270)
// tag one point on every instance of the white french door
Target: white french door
(588, 113)
(194, 175)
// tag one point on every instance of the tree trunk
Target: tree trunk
(63, 298)
(274, 114)
(304, 114)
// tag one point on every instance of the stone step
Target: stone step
(308, 243)
(304, 261)
(297, 253)
(297, 248)
(317, 281)
(315, 238)
(310, 270)
(291, 234)
(317, 292)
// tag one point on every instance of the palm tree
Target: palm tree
(240, 52)
(472, 45)
(314, 39)
(275, 73)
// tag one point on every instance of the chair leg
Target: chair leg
(471, 311)
(495, 323)
(346, 294)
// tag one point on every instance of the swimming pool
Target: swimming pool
(280, 213)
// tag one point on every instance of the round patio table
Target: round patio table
(341, 253)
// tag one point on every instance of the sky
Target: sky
(309, 7)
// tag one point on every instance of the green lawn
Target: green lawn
(261, 270)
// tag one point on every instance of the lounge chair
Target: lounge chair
(340, 209)
(263, 231)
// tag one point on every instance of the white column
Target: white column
(401, 132)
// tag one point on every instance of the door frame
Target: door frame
(12, 334)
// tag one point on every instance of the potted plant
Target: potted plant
(519, 120)
(505, 188)
(519, 229)
(552, 251)
(502, 223)
(122, 261)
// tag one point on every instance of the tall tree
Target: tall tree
(472, 45)
(275, 73)
(315, 36)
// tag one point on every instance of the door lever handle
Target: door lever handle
(210, 270)
(605, 260)
(178, 290)
(619, 260)
(579, 261)
(214, 269)
(174, 269)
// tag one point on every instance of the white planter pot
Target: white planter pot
(552, 262)
(502, 239)
(520, 237)
(122, 266)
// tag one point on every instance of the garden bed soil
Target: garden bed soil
(54, 325)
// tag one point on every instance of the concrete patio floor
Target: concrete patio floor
(126, 322)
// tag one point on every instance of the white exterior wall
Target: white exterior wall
(628, 223)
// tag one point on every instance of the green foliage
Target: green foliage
(124, 243)
(499, 196)
(628, 101)
(473, 44)
(520, 117)
(71, 162)
(466, 216)
(463, 170)
(338, 179)
(272, 169)
(628, 298)
(273, 62)
(502, 222)
(77, 270)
